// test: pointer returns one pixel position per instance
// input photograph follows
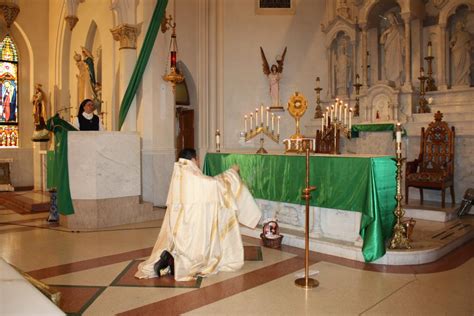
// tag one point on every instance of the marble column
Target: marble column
(364, 55)
(441, 64)
(126, 34)
(407, 86)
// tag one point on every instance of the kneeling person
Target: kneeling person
(200, 233)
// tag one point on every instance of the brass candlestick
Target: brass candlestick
(319, 112)
(430, 82)
(423, 104)
(357, 86)
(399, 239)
(307, 282)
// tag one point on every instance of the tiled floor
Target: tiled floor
(94, 272)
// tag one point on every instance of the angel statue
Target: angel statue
(274, 76)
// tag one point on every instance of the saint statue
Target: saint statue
(342, 68)
(39, 114)
(87, 85)
(393, 43)
(274, 76)
(461, 46)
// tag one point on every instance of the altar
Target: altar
(365, 184)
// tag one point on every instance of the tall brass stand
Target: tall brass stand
(306, 282)
(399, 239)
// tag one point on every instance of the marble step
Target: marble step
(431, 211)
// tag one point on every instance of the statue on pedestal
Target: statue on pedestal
(342, 68)
(461, 46)
(39, 115)
(274, 76)
(393, 42)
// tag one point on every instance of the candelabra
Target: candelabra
(261, 128)
(399, 239)
(357, 86)
(335, 120)
(423, 104)
(319, 112)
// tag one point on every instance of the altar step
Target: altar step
(431, 211)
(430, 241)
(26, 202)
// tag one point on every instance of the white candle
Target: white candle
(273, 122)
(430, 52)
(268, 109)
(327, 115)
(345, 114)
(278, 125)
(357, 78)
(261, 114)
(322, 122)
(332, 113)
(317, 82)
(245, 123)
(399, 133)
(256, 118)
(218, 138)
(251, 121)
(350, 119)
(340, 112)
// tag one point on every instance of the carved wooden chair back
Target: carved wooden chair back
(437, 147)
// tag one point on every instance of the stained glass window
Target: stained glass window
(8, 91)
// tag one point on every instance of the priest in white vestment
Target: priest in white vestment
(201, 225)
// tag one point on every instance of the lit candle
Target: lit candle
(317, 82)
(332, 112)
(273, 122)
(251, 121)
(278, 125)
(350, 119)
(327, 115)
(345, 113)
(218, 138)
(322, 122)
(340, 112)
(256, 118)
(399, 138)
(261, 114)
(268, 109)
(430, 52)
(245, 123)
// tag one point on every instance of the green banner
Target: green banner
(374, 128)
(361, 184)
(142, 61)
(59, 173)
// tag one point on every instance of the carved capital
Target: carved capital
(126, 34)
(9, 11)
(72, 21)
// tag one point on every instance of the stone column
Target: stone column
(441, 64)
(126, 34)
(407, 87)
(364, 55)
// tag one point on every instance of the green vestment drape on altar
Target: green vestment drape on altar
(361, 184)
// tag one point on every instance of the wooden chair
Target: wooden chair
(434, 168)
(325, 141)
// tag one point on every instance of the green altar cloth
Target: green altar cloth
(60, 174)
(374, 128)
(357, 183)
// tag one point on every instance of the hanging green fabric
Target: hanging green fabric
(360, 184)
(142, 61)
(357, 128)
(60, 176)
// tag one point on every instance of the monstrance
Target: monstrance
(297, 106)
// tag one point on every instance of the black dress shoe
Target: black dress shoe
(166, 260)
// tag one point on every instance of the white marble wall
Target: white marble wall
(104, 164)
(323, 222)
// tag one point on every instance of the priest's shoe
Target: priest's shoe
(166, 260)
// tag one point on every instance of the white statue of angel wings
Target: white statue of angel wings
(274, 76)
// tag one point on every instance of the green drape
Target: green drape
(361, 184)
(142, 61)
(60, 173)
(374, 128)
